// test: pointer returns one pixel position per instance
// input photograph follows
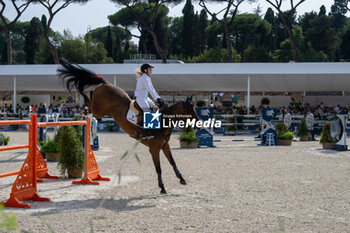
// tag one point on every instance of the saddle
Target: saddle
(135, 113)
(137, 110)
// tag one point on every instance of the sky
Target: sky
(79, 18)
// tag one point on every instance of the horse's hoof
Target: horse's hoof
(163, 192)
(183, 182)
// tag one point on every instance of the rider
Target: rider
(144, 87)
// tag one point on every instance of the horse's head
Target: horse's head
(189, 108)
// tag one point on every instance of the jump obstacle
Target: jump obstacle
(268, 133)
(34, 166)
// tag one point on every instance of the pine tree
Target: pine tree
(203, 23)
(31, 44)
(187, 30)
(196, 38)
(338, 11)
(322, 10)
(109, 44)
(270, 18)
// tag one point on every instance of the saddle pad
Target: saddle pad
(132, 117)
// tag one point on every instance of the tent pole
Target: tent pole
(115, 81)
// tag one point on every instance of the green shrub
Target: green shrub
(70, 146)
(281, 128)
(188, 136)
(25, 99)
(326, 134)
(287, 135)
(6, 139)
(51, 146)
(302, 129)
(110, 126)
(2, 137)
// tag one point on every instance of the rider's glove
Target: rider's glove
(161, 103)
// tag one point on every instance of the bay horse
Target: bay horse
(107, 99)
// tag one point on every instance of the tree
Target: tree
(322, 36)
(338, 11)
(146, 13)
(109, 44)
(249, 29)
(53, 7)
(202, 25)
(214, 55)
(8, 25)
(174, 36)
(84, 51)
(229, 12)
(286, 19)
(322, 10)
(345, 44)
(196, 36)
(305, 50)
(33, 34)
(271, 38)
(113, 38)
(213, 31)
(187, 28)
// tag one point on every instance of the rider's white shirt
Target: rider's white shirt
(144, 86)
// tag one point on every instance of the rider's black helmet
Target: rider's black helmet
(145, 66)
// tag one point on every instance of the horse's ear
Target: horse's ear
(187, 99)
(191, 98)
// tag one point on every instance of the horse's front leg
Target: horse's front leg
(155, 156)
(167, 152)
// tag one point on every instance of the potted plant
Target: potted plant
(326, 139)
(72, 154)
(6, 140)
(110, 126)
(284, 137)
(25, 99)
(50, 148)
(188, 138)
(303, 133)
(1, 139)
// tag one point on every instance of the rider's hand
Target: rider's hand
(161, 103)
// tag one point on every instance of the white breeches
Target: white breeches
(145, 103)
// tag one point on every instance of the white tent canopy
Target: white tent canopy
(194, 77)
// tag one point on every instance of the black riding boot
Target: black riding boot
(146, 133)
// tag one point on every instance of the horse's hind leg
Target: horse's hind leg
(167, 152)
(155, 156)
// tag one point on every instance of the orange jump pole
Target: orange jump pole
(9, 174)
(25, 186)
(14, 122)
(41, 168)
(4, 148)
(91, 171)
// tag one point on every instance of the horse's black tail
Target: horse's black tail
(73, 75)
